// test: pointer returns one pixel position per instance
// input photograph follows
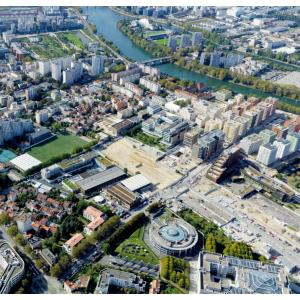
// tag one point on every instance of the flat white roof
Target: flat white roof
(25, 162)
(136, 182)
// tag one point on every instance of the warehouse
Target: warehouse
(137, 183)
(124, 195)
(100, 180)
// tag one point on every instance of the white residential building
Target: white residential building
(283, 148)
(251, 143)
(267, 154)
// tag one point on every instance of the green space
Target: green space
(50, 47)
(137, 133)
(154, 32)
(103, 161)
(67, 163)
(164, 42)
(167, 288)
(215, 238)
(135, 248)
(72, 38)
(183, 103)
(71, 185)
(290, 173)
(61, 145)
(176, 271)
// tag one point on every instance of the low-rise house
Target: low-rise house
(72, 242)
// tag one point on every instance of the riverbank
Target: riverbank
(101, 15)
(290, 92)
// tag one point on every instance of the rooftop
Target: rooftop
(136, 182)
(74, 240)
(100, 178)
(25, 162)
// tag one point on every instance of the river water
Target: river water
(106, 22)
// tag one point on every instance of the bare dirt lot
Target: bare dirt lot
(131, 155)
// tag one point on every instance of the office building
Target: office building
(208, 145)
(283, 148)
(294, 139)
(173, 237)
(220, 274)
(121, 279)
(267, 154)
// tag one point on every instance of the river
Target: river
(106, 22)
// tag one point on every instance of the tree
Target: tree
(20, 239)
(55, 270)
(28, 249)
(210, 244)
(39, 263)
(12, 231)
(4, 218)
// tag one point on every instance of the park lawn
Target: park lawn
(60, 145)
(73, 39)
(50, 48)
(135, 248)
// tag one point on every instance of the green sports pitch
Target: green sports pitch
(155, 32)
(60, 145)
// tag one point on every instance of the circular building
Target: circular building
(177, 238)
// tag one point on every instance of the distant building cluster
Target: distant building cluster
(37, 20)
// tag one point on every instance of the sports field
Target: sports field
(60, 145)
(6, 155)
(154, 32)
(164, 42)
